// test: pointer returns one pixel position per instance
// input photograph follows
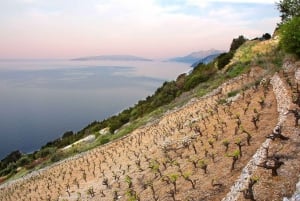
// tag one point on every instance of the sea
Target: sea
(42, 99)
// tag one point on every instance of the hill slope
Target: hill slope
(208, 149)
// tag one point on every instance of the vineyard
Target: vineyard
(239, 142)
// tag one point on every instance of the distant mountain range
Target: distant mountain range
(196, 56)
(112, 58)
(205, 60)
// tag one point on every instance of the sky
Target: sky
(148, 28)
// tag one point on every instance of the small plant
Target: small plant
(248, 192)
(154, 166)
(262, 102)
(91, 192)
(226, 144)
(240, 145)
(105, 182)
(132, 195)
(233, 93)
(173, 178)
(128, 180)
(235, 156)
(203, 166)
(255, 119)
(187, 176)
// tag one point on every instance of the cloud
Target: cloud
(204, 2)
(150, 28)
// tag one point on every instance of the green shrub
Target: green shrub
(290, 36)
(25, 160)
(104, 140)
(224, 59)
(45, 152)
(237, 69)
(237, 42)
(233, 93)
(10, 169)
(57, 156)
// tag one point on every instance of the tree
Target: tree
(290, 36)
(266, 36)
(288, 9)
(25, 160)
(224, 59)
(237, 42)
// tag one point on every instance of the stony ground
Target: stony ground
(183, 156)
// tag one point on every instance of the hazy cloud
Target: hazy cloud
(150, 28)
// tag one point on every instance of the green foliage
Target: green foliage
(290, 36)
(24, 160)
(233, 93)
(200, 74)
(45, 152)
(11, 168)
(289, 9)
(186, 175)
(236, 153)
(10, 158)
(104, 140)
(173, 177)
(132, 195)
(221, 101)
(57, 156)
(237, 70)
(128, 180)
(224, 59)
(266, 36)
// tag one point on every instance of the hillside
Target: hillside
(212, 147)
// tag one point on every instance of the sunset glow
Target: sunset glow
(150, 28)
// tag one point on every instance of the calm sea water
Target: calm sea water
(41, 99)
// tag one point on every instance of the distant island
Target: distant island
(196, 56)
(112, 58)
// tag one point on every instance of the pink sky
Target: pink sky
(150, 28)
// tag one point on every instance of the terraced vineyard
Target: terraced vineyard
(220, 146)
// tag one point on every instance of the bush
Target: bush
(237, 70)
(233, 93)
(290, 36)
(25, 160)
(266, 36)
(104, 140)
(10, 169)
(224, 59)
(237, 42)
(45, 152)
(57, 156)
